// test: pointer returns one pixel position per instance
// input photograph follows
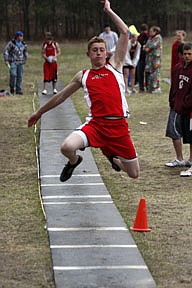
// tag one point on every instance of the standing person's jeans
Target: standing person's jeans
(16, 74)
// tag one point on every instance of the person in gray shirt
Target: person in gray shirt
(15, 56)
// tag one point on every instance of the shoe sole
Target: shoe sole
(176, 166)
(185, 173)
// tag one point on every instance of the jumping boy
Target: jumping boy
(104, 89)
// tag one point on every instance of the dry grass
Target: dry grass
(24, 254)
(167, 250)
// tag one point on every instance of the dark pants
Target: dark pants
(185, 126)
(141, 73)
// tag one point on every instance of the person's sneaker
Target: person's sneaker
(188, 163)
(186, 173)
(176, 163)
(44, 92)
(128, 91)
(157, 90)
(55, 91)
(19, 93)
(68, 169)
(12, 91)
(134, 91)
(114, 165)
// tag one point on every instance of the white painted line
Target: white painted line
(90, 246)
(62, 229)
(69, 268)
(75, 196)
(71, 184)
(77, 203)
(76, 175)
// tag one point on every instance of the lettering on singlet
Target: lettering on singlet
(98, 76)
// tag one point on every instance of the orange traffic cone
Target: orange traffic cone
(141, 223)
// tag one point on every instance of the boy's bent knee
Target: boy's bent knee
(72, 143)
(133, 174)
(132, 168)
(65, 147)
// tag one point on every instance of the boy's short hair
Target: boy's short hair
(156, 29)
(187, 46)
(144, 27)
(106, 25)
(48, 35)
(95, 39)
(182, 32)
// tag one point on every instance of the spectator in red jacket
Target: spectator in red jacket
(181, 102)
(176, 55)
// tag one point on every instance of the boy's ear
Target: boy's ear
(87, 53)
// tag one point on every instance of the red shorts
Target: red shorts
(50, 71)
(111, 136)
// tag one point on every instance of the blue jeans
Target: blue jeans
(16, 76)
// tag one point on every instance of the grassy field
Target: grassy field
(25, 257)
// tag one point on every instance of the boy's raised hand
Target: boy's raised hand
(106, 4)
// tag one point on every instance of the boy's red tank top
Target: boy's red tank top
(105, 92)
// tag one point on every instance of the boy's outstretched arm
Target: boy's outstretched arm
(119, 23)
(121, 48)
(57, 99)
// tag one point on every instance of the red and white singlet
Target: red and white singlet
(105, 92)
(50, 49)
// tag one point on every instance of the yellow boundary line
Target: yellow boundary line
(37, 159)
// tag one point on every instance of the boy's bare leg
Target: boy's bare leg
(126, 77)
(132, 167)
(178, 148)
(190, 149)
(132, 74)
(70, 145)
(45, 85)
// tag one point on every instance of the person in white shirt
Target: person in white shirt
(131, 60)
(110, 38)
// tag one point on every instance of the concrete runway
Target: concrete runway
(90, 244)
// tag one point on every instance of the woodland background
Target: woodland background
(81, 19)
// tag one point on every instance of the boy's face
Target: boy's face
(187, 56)
(97, 54)
(20, 38)
(151, 32)
(179, 37)
(107, 29)
(133, 38)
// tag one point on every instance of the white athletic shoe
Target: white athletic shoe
(176, 163)
(44, 92)
(158, 90)
(133, 91)
(128, 91)
(186, 173)
(55, 91)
